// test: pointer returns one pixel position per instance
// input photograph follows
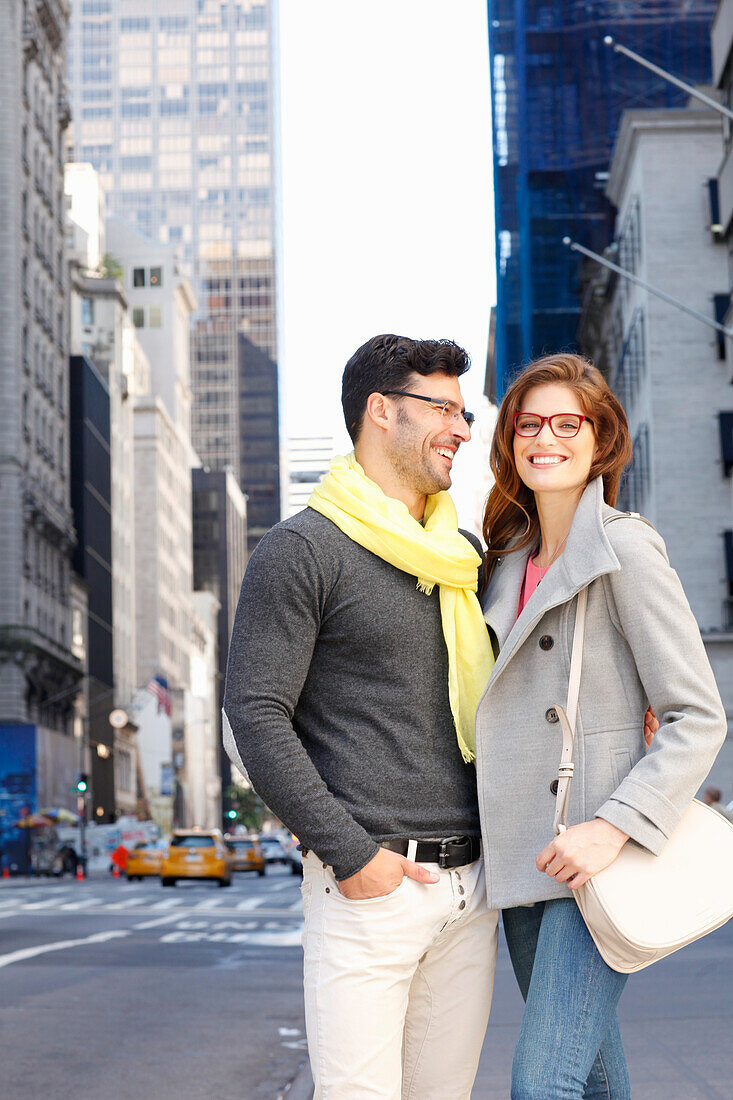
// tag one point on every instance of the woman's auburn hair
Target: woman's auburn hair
(510, 518)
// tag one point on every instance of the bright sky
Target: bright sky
(387, 202)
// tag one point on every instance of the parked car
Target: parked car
(273, 848)
(146, 860)
(196, 854)
(293, 857)
(247, 854)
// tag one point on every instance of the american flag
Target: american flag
(158, 687)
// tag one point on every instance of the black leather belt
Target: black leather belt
(454, 851)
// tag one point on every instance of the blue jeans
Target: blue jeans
(569, 1044)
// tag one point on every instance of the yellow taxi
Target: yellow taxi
(247, 854)
(145, 860)
(196, 854)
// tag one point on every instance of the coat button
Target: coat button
(553, 787)
(546, 642)
(551, 715)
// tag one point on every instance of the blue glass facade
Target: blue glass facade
(557, 96)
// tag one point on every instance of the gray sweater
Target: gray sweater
(336, 701)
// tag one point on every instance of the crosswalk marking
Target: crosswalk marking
(210, 903)
(44, 904)
(85, 903)
(274, 896)
(251, 903)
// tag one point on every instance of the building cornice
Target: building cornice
(636, 123)
(97, 285)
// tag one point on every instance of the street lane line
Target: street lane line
(296, 907)
(169, 903)
(85, 903)
(44, 948)
(279, 886)
(9, 901)
(127, 904)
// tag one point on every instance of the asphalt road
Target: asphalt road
(126, 991)
(117, 991)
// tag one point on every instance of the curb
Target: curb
(301, 1086)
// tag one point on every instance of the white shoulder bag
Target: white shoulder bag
(643, 907)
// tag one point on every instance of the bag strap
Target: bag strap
(569, 715)
(568, 718)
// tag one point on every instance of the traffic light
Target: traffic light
(82, 783)
(232, 815)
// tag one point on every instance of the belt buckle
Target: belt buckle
(443, 851)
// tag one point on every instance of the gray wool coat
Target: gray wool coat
(641, 644)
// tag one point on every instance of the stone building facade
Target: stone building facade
(39, 673)
(671, 372)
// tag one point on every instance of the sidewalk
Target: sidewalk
(676, 1020)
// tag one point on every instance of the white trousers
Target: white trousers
(397, 988)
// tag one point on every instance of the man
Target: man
(358, 656)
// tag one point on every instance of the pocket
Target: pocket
(361, 902)
(621, 764)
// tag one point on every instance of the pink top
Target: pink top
(532, 577)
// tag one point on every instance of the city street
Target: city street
(126, 991)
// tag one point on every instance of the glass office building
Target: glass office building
(557, 97)
(173, 104)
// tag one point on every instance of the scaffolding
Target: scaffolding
(557, 96)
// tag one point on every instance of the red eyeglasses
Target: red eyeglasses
(562, 425)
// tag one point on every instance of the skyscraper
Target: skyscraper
(219, 560)
(173, 104)
(557, 95)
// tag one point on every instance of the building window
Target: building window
(87, 311)
(124, 771)
(155, 317)
(156, 276)
(77, 633)
(634, 495)
(632, 363)
(721, 305)
(138, 276)
(138, 317)
(629, 242)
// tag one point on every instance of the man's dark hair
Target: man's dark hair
(386, 363)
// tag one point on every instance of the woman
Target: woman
(560, 447)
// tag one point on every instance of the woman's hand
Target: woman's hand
(651, 725)
(581, 852)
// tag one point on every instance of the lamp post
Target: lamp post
(689, 88)
(575, 247)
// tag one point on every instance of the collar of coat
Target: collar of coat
(587, 555)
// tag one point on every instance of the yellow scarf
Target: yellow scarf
(434, 552)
